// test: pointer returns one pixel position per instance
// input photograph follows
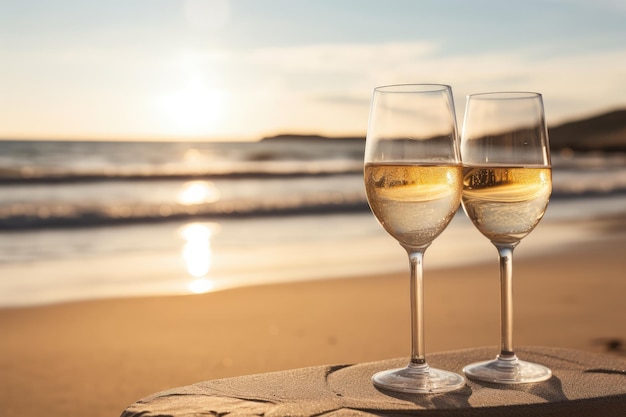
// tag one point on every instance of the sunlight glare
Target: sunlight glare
(198, 192)
(197, 254)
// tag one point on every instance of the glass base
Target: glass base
(507, 370)
(418, 379)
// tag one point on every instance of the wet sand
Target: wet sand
(96, 357)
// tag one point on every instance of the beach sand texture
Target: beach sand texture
(96, 357)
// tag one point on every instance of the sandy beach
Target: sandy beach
(96, 357)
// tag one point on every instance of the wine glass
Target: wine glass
(413, 179)
(507, 183)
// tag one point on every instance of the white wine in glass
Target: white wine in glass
(413, 180)
(506, 188)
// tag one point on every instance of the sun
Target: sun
(194, 109)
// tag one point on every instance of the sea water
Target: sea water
(84, 220)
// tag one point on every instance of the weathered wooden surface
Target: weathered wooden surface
(583, 384)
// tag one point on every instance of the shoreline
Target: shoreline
(362, 248)
(95, 357)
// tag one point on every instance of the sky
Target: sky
(245, 69)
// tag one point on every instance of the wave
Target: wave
(71, 162)
(119, 185)
(67, 216)
(34, 216)
(15, 177)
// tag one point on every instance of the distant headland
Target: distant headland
(603, 132)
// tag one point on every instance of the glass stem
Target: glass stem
(416, 259)
(506, 300)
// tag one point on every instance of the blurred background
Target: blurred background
(172, 146)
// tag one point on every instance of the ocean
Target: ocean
(82, 220)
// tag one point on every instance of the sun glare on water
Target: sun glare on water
(198, 192)
(197, 254)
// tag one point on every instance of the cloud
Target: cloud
(317, 87)
(355, 60)
(339, 57)
(576, 81)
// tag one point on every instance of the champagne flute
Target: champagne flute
(506, 187)
(413, 180)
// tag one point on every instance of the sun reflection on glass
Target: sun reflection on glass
(197, 254)
(198, 192)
